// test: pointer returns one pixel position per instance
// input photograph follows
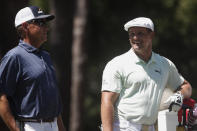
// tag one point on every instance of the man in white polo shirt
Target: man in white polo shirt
(133, 83)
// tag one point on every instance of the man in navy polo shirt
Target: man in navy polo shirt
(29, 97)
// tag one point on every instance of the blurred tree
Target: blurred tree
(60, 46)
(187, 19)
(78, 65)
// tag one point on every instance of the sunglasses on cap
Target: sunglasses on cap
(38, 22)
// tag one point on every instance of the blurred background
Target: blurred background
(86, 34)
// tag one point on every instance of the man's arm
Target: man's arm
(186, 89)
(6, 114)
(107, 109)
(176, 100)
(60, 124)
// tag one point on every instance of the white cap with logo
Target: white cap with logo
(140, 22)
(31, 13)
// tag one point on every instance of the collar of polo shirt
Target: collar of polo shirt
(29, 48)
(138, 60)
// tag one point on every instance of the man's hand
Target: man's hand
(175, 102)
(6, 114)
(60, 124)
(108, 100)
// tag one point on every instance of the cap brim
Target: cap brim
(46, 17)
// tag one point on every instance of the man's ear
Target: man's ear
(152, 34)
(25, 25)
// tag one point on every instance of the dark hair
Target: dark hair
(20, 32)
(149, 30)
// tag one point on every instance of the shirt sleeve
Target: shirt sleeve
(9, 74)
(174, 79)
(111, 78)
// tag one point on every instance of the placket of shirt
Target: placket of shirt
(149, 80)
(43, 63)
(146, 68)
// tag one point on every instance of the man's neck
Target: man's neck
(32, 43)
(145, 56)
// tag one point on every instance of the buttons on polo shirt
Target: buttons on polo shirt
(43, 63)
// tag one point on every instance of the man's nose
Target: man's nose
(135, 37)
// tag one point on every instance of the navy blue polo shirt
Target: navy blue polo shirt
(28, 78)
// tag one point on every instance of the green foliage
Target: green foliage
(44, 4)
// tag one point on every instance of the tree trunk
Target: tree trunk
(60, 43)
(78, 65)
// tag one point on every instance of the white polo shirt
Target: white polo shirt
(140, 85)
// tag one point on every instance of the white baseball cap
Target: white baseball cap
(140, 22)
(31, 13)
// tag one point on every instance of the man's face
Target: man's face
(38, 31)
(141, 39)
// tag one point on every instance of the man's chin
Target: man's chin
(137, 48)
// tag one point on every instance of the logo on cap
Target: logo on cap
(40, 11)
